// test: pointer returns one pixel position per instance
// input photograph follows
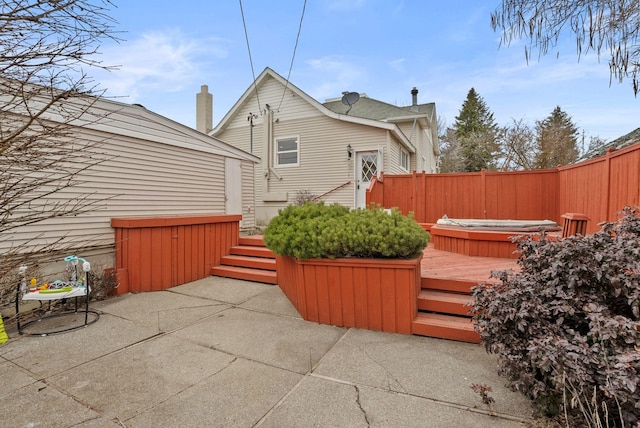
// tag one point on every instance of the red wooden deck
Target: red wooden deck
(440, 308)
(453, 266)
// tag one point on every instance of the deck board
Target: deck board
(445, 265)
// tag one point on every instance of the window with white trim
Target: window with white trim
(404, 159)
(287, 151)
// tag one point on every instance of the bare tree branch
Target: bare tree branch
(46, 50)
(610, 28)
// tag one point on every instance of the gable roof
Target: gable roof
(269, 73)
(117, 118)
(134, 120)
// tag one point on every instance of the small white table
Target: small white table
(72, 289)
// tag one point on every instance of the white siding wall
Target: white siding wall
(324, 164)
(421, 139)
(141, 179)
(430, 149)
(248, 195)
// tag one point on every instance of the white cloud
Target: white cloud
(398, 65)
(334, 77)
(166, 61)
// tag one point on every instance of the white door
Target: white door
(233, 186)
(366, 169)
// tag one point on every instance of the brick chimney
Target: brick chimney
(414, 96)
(204, 110)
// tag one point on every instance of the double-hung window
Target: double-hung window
(404, 159)
(287, 151)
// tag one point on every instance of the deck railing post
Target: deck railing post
(574, 224)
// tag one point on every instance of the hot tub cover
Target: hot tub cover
(506, 225)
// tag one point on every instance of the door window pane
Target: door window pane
(369, 167)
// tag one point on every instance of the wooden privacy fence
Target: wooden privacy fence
(157, 253)
(599, 188)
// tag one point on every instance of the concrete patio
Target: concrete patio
(221, 352)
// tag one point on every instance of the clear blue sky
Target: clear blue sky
(379, 47)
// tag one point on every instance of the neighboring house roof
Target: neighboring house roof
(136, 121)
(132, 120)
(619, 143)
(376, 123)
(370, 108)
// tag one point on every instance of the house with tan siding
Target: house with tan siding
(330, 150)
(151, 166)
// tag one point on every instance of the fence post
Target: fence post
(414, 192)
(483, 186)
(607, 197)
(423, 199)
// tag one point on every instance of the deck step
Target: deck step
(444, 302)
(249, 262)
(448, 284)
(252, 251)
(445, 327)
(251, 241)
(247, 274)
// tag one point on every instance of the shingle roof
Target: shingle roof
(268, 73)
(620, 142)
(369, 108)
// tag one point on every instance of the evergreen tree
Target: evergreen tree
(556, 140)
(477, 132)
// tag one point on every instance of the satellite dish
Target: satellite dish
(349, 99)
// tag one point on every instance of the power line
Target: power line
(246, 36)
(304, 6)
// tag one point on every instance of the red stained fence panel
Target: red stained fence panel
(157, 253)
(599, 188)
(530, 195)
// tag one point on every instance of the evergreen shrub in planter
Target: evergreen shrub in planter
(316, 230)
(565, 328)
(357, 268)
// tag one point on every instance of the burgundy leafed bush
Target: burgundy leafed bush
(565, 328)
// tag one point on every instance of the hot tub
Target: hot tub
(485, 237)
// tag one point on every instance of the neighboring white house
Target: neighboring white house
(329, 150)
(152, 166)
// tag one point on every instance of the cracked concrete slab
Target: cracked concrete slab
(182, 357)
(237, 396)
(318, 403)
(13, 378)
(54, 354)
(388, 408)
(326, 403)
(284, 342)
(40, 404)
(142, 376)
(273, 301)
(431, 368)
(226, 290)
(162, 310)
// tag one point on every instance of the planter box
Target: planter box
(372, 294)
(156, 253)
